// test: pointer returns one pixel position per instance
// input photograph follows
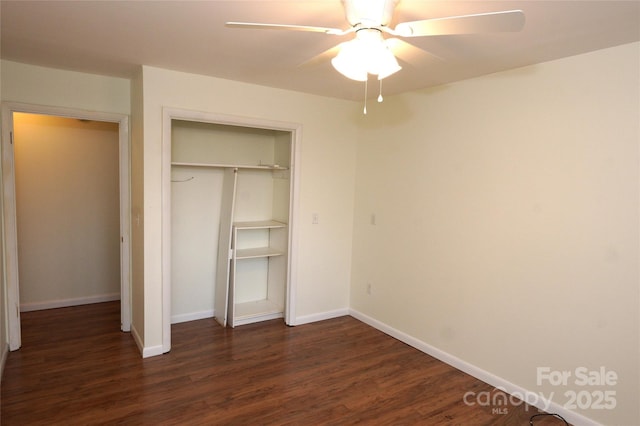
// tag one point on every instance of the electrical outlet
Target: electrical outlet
(314, 219)
(369, 289)
(373, 218)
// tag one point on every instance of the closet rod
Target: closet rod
(182, 180)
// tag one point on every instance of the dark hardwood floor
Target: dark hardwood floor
(76, 368)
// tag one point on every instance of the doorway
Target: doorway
(67, 207)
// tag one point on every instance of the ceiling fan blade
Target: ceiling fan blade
(506, 21)
(322, 57)
(409, 53)
(253, 25)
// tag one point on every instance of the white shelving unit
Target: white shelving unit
(256, 285)
(257, 277)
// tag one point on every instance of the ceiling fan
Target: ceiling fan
(369, 52)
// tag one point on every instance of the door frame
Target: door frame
(10, 229)
(295, 129)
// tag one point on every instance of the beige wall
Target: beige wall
(68, 212)
(47, 86)
(507, 221)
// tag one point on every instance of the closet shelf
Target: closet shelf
(231, 166)
(259, 224)
(252, 253)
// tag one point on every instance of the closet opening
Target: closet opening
(229, 219)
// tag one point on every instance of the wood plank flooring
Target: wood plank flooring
(76, 368)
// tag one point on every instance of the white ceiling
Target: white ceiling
(115, 37)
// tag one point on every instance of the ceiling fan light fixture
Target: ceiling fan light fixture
(366, 54)
(349, 62)
(385, 63)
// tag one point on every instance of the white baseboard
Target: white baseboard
(192, 316)
(137, 339)
(145, 351)
(305, 319)
(530, 397)
(63, 303)
(152, 351)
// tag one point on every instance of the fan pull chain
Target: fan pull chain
(380, 98)
(365, 96)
